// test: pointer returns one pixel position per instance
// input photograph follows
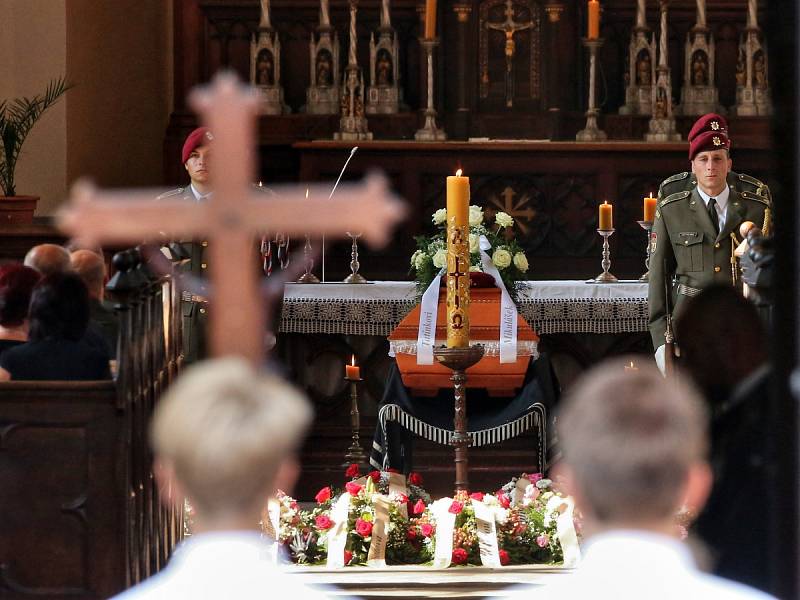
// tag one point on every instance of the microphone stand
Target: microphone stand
(335, 185)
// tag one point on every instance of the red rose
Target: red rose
(504, 557)
(426, 529)
(323, 522)
(414, 478)
(352, 471)
(352, 488)
(375, 476)
(419, 507)
(534, 477)
(459, 556)
(323, 495)
(456, 507)
(411, 535)
(477, 496)
(504, 500)
(348, 556)
(363, 528)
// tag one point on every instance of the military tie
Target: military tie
(712, 213)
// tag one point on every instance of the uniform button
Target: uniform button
(204, 244)
(717, 269)
(202, 311)
(203, 266)
(716, 245)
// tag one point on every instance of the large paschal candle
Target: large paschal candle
(457, 261)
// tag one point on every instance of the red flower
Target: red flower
(352, 488)
(363, 528)
(504, 557)
(375, 476)
(456, 507)
(323, 495)
(477, 496)
(534, 477)
(401, 499)
(323, 522)
(504, 500)
(348, 556)
(459, 556)
(411, 534)
(352, 471)
(426, 529)
(419, 507)
(414, 478)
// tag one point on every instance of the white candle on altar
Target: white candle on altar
(265, 16)
(662, 45)
(701, 13)
(386, 20)
(641, 14)
(325, 16)
(752, 13)
(351, 57)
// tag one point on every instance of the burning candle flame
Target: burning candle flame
(306, 193)
(458, 173)
(353, 360)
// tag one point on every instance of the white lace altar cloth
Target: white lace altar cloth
(548, 307)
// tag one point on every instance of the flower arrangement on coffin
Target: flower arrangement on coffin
(506, 254)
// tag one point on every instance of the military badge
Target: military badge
(209, 136)
(653, 242)
(717, 141)
(715, 125)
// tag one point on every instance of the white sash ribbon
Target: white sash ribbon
(487, 534)
(397, 485)
(426, 337)
(445, 523)
(337, 536)
(508, 310)
(376, 556)
(565, 528)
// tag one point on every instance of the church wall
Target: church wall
(32, 42)
(119, 57)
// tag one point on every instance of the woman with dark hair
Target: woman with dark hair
(57, 348)
(16, 285)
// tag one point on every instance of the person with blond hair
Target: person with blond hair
(634, 454)
(224, 437)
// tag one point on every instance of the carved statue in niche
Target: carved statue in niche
(661, 104)
(324, 65)
(741, 68)
(643, 68)
(383, 68)
(265, 68)
(356, 109)
(700, 68)
(760, 70)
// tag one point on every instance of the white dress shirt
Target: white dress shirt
(722, 204)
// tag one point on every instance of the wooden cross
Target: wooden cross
(233, 216)
(509, 27)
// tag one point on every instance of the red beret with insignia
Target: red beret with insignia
(708, 122)
(710, 140)
(199, 137)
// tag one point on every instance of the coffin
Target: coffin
(499, 379)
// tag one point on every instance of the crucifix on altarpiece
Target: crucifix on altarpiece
(233, 217)
(509, 27)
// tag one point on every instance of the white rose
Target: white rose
(503, 219)
(475, 216)
(419, 259)
(501, 258)
(474, 243)
(440, 216)
(475, 269)
(521, 261)
(440, 258)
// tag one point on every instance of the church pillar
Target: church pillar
(461, 122)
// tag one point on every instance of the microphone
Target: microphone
(335, 185)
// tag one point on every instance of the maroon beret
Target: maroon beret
(199, 137)
(708, 122)
(709, 140)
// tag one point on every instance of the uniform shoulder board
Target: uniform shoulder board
(755, 197)
(676, 177)
(751, 180)
(676, 196)
(171, 193)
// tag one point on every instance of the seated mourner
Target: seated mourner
(16, 285)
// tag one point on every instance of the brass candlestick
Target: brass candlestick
(354, 276)
(355, 453)
(459, 360)
(648, 227)
(430, 132)
(605, 276)
(592, 133)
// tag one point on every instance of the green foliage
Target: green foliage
(17, 118)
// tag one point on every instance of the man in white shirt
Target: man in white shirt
(634, 452)
(224, 437)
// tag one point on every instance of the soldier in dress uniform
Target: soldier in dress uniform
(696, 227)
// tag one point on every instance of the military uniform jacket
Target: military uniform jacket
(687, 254)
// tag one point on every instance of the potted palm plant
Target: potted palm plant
(17, 118)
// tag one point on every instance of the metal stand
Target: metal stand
(308, 276)
(430, 132)
(648, 227)
(605, 276)
(459, 360)
(592, 133)
(355, 453)
(354, 277)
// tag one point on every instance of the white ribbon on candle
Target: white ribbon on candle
(508, 310)
(428, 313)
(337, 536)
(487, 534)
(565, 528)
(445, 523)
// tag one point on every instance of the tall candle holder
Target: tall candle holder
(648, 227)
(459, 360)
(592, 133)
(605, 276)
(355, 453)
(430, 132)
(354, 276)
(308, 261)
